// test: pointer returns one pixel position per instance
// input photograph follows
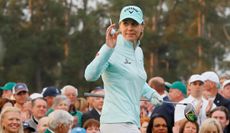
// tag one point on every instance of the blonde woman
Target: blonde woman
(11, 122)
(82, 104)
(211, 125)
(120, 63)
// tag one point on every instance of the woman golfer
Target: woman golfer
(120, 63)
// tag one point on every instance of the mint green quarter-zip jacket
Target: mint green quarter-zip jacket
(124, 78)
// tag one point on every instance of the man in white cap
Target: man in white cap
(226, 89)
(201, 105)
(212, 83)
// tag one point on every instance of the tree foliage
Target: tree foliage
(50, 42)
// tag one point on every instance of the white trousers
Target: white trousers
(119, 128)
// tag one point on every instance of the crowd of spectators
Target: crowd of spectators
(55, 110)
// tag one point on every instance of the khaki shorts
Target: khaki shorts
(119, 128)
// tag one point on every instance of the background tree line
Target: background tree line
(50, 42)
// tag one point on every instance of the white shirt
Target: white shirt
(179, 110)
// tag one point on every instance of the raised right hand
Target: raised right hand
(111, 39)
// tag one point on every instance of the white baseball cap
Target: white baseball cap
(226, 82)
(195, 77)
(35, 96)
(212, 76)
(133, 12)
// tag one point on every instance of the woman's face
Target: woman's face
(131, 30)
(63, 105)
(92, 129)
(11, 122)
(159, 126)
(190, 128)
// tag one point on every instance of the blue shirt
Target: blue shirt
(124, 78)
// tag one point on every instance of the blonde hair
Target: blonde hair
(209, 125)
(2, 115)
(81, 104)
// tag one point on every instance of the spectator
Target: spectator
(158, 84)
(190, 127)
(211, 86)
(92, 126)
(95, 113)
(223, 78)
(7, 90)
(221, 113)
(59, 121)
(42, 124)
(39, 108)
(49, 93)
(27, 128)
(10, 120)
(202, 106)
(177, 91)
(71, 93)
(21, 95)
(158, 124)
(144, 124)
(226, 89)
(210, 125)
(90, 99)
(82, 105)
(35, 96)
(60, 102)
(5, 102)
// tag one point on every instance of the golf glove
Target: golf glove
(156, 99)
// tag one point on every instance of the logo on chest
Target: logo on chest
(127, 61)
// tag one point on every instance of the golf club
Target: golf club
(113, 31)
(174, 102)
(93, 95)
(189, 110)
(189, 113)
